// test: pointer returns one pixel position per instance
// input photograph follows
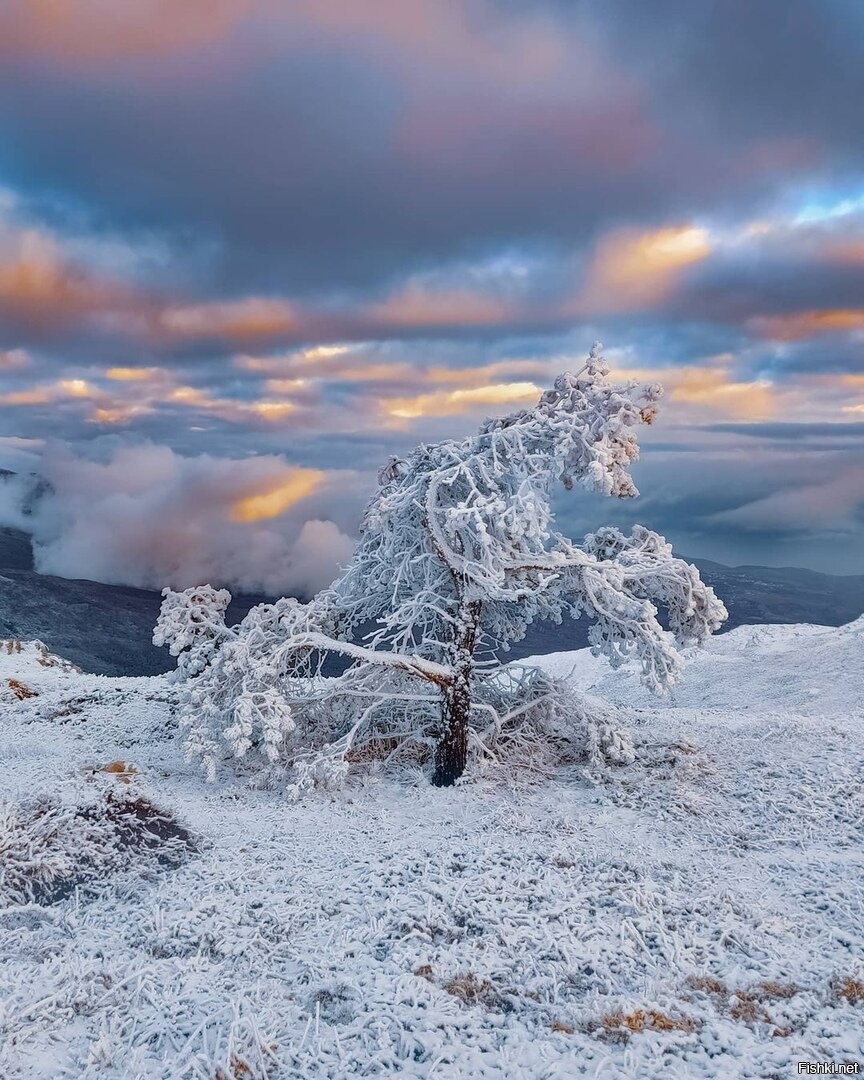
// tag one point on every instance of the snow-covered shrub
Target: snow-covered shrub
(457, 553)
(48, 847)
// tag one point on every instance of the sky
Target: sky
(251, 248)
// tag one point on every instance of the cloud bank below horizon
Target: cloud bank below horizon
(147, 517)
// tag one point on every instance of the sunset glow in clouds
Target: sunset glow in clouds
(318, 233)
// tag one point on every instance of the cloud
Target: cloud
(714, 388)
(14, 359)
(93, 31)
(149, 517)
(796, 432)
(48, 393)
(39, 283)
(632, 269)
(806, 324)
(320, 147)
(250, 318)
(130, 374)
(418, 307)
(18, 455)
(274, 500)
(453, 402)
(831, 503)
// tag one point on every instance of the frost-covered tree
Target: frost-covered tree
(457, 554)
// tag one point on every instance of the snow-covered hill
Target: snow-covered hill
(699, 913)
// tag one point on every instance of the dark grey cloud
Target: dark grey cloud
(319, 160)
(746, 72)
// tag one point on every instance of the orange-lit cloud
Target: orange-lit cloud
(286, 386)
(631, 270)
(485, 374)
(452, 402)
(253, 317)
(147, 516)
(38, 281)
(295, 371)
(37, 395)
(87, 31)
(273, 410)
(147, 396)
(856, 384)
(755, 400)
(63, 389)
(806, 324)
(416, 305)
(231, 409)
(136, 374)
(118, 414)
(712, 387)
(274, 500)
(298, 369)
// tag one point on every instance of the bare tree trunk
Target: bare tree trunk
(451, 752)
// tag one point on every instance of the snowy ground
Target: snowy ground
(700, 913)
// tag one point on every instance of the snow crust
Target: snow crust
(490, 930)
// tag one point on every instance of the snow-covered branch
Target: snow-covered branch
(412, 665)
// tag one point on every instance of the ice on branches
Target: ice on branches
(457, 554)
(192, 625)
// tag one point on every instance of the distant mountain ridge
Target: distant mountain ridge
(106, 629)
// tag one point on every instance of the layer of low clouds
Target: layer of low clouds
(314, 234)
(148, 517)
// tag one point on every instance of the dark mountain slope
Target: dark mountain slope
(107, 628)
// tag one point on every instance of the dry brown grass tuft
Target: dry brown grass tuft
(746, 1006)
(237, 1070)
(563, 1029)
(618, 1027)
(747, 1010)
(372, 750)
(775, 991)
(851, 990)
(20, 691)
(707, 984)
(473, 991)
(424, 971)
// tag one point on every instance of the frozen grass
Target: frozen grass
(699, 913)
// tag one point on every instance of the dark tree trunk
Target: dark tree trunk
(451, 752)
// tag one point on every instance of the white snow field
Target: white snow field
(697, 914)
